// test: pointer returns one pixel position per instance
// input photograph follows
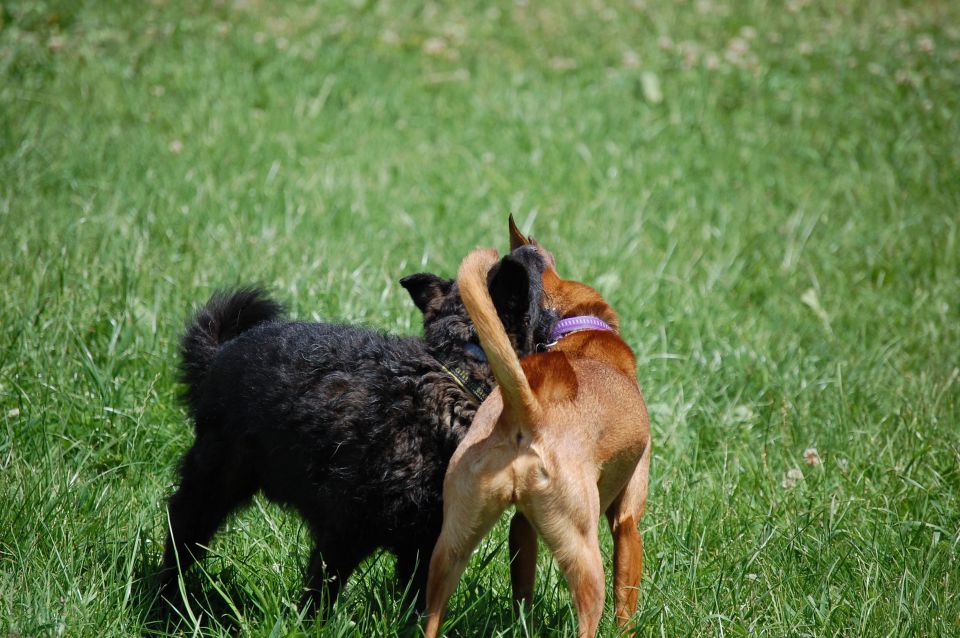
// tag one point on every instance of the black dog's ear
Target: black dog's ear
(425, 287)
(516, 287)
(516, 237)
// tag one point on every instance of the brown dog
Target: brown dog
(564, 437)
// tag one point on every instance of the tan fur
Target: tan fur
(503, 361)
(564, 438)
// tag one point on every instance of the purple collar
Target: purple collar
(575, 324)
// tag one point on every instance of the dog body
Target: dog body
(564, 438)
(350, 427)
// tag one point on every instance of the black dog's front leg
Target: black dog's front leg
(327, 573)
(412, 567)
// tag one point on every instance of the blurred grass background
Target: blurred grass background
(767, 192)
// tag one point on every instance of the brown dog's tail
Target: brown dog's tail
(518, 399)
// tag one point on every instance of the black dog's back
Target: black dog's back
(324, 414)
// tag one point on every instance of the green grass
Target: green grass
(767, 192)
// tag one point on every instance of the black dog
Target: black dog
(351, 427)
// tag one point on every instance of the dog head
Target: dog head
(566, 297)
(516, 287)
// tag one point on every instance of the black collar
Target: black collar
(479, 389)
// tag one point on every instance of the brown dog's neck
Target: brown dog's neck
(600, 310)
(602, 345)
(572, 298)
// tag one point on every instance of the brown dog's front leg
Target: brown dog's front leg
(627, 567)
(523, 560)
(624, 515)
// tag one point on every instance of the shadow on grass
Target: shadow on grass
(224, 596)
(229, 602)
(210, 604)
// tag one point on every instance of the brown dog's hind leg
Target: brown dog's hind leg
(523, 559)
(469, 513)
(450, 558)
(571, 535)
(623, 515)
(446, 567)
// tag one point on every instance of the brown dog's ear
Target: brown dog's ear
(516, 287)
(517, 240)
(516, 237)
(424, 288)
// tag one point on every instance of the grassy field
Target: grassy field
(767, 192)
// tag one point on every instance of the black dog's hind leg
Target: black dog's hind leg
(213, 484)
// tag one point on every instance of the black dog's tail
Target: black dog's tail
(224, 317)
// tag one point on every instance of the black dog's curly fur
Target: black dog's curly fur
(352, 428)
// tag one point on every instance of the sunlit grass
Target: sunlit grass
(767, 192)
